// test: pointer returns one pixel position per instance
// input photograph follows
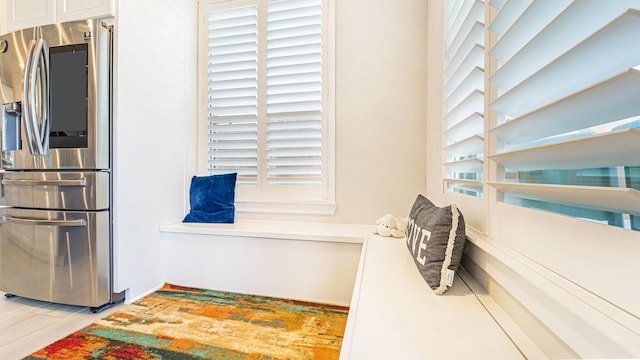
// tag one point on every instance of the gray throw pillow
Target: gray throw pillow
(435, 238)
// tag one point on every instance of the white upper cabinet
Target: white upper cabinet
(22, 14)
(3, 16)
(27, 13)
(69, 10)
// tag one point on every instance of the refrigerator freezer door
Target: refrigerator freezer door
(12, 63)
(55, 190)
(60, 257)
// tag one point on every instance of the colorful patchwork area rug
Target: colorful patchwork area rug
(186, 323)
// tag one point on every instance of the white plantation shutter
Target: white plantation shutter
(266, 98)
(567, 108)
(294, 92)
(464, 116)
(233, 92)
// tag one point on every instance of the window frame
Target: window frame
(255, 201)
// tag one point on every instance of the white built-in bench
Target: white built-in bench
(393, 313)
(306, 261)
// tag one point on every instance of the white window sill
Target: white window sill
(309, 208)
(341, 233)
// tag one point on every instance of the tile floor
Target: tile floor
(28, 325)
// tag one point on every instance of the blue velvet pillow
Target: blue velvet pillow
(212, 199)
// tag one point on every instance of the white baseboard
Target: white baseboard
(129, 300)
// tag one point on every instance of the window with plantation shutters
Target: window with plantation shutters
(568, 108)
(267, 111)
(464, 104)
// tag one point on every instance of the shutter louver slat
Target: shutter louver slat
(616, 148)
(526, 27)
(620, 200)
(471, 125)
(293, 9)
(508, 15)
(228, 43)
(472, 186)
(471, 145)
(292, 106)
(233, 57)
(613, 99)
(236, 66)
(466, 165)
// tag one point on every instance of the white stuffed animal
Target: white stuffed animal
(392, 226)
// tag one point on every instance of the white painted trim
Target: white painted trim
(291, 207)
(131, 300)
(330, 101)
(520, 338)
(349, 330)
(325, 232)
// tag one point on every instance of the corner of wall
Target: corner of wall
(434, 103)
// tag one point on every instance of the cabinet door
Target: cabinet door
(27, 13)
(70, 10)
(4, 16)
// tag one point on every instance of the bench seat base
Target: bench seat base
(395, 315)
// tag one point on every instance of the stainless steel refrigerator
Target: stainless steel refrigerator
(55, 182)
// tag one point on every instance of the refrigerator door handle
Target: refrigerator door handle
(58, 223)
(77, 182)
(28, 99)
(44, 91)
(40, 109)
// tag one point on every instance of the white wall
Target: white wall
(435, 103)
(381, 111)
(154, 130)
